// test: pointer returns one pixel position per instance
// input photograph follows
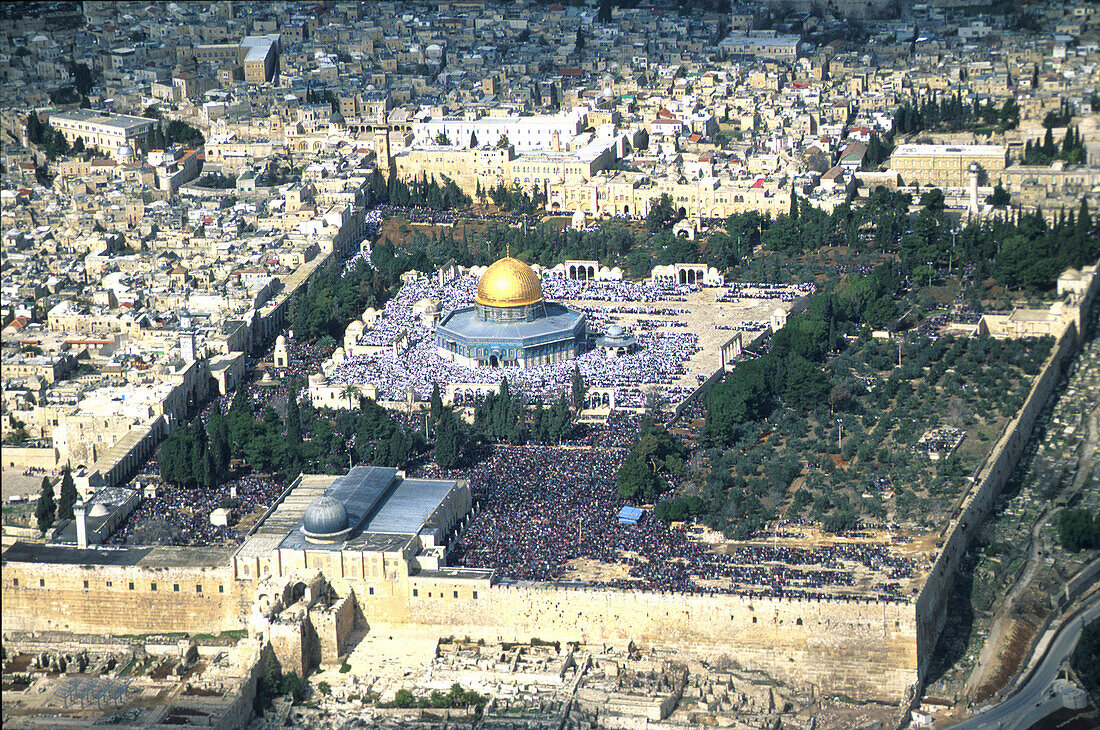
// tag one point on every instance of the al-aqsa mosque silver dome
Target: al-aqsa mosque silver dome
(325, 520)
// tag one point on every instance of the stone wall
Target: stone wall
(334, 626)
(988, 482)
(865, 649)
(119, 599)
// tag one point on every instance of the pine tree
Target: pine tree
(68, 495)
(240, 421)
(45, 511)
(450, 440)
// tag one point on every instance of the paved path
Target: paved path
(1004, 715)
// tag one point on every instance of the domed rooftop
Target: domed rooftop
(509, 283)
(336, 118)
(614, 331)
(98, 510)
(325, 519)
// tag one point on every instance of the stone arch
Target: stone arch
(798, 622)
(591, 272)
(682, 212)
(626, 210)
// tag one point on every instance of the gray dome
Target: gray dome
(325, 518)
(614, 331)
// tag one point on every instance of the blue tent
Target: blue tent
(630, 515)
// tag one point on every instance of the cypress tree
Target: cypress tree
(793, 213)
(68, 495)
(1048, 144)
(293, 421)
(217, 432)
(45, 510)
(579, 388)
(436, 404)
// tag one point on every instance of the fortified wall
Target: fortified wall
(121, 599)
(991, 478)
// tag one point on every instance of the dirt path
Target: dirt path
(1005, 629)
(1084, 465)
(989, 661)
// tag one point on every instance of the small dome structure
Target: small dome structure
(280, 341)
(337, 118)
(615, 331)
(98, 510)
(579, 219)
(325, 520)
(125, 152)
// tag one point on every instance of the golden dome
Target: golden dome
(509, 283)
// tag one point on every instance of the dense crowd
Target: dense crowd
(542, 508)
(940, 440)
(179, 516)
(737, 291)
(658, 360)
(421, 214)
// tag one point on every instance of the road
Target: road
(1002, 715)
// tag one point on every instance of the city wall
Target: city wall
(863, 649)
(990, 479)
(119, 599)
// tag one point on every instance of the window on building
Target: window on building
(15, 582)
(176, 587)
(475, 594)
(41, 582)
(198, 589)
(85, 585)
(152, 586)
(131, 585)
(456, 594)
(415, 592)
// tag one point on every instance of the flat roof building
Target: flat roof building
(947, 166)
(107, 132)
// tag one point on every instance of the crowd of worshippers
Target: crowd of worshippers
(745, 326)
(659, 359)
(940, 440)
(539, 509)
(181, 517)
(421, 214)
(737, 291)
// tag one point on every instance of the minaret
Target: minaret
(382, 159)
(81, 524)
(974, 169)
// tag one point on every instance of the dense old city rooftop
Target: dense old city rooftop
(572, 364)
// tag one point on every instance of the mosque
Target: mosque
(511, 324)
